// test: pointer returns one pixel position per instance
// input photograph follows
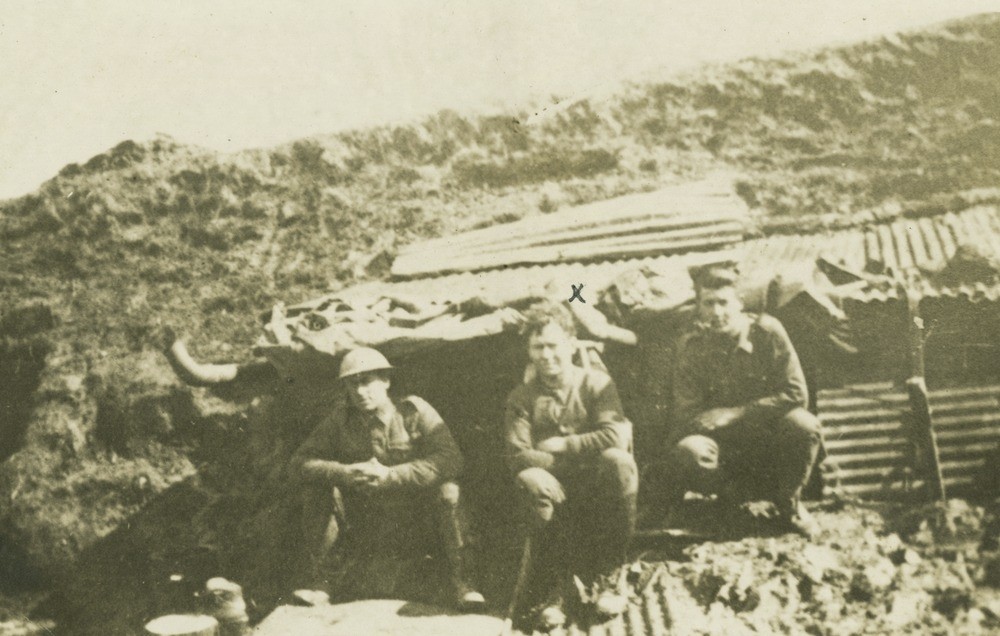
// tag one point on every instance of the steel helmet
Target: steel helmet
(362, 360)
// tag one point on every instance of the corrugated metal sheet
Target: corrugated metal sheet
(869, 451)
(514, 283)
(926, 243)
(692, 217)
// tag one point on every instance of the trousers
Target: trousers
(583, 512)
(381, 526)
(767, 457)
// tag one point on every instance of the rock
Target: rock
(27, 627)
(311, 598)
(375, 617)
(831, 609)
(182, 625)
(223, 599)
(951, 597)
(775, 599)
(880, 574)
(872, 580)
(974, 619)
(907, 607)
(816, 560)
(610, 604)
(924, 535)
(905, 556)
(991, 607)
(890, 544)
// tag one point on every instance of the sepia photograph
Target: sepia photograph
(569, 317)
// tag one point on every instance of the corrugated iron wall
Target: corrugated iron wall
(869, 451)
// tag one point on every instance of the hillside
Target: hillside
(108, 254)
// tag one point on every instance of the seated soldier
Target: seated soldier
(739, 406)
(382, 472)
(569, 445)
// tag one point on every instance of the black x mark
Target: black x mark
(576, 293)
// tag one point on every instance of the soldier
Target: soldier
(740, 405)
(383, 472)
(569, 445)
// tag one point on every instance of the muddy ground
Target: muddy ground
(874, 569)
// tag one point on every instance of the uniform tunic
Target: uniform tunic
(770, 449)
(593, 484)
(409, 437)
(586, 410)
(759, 371)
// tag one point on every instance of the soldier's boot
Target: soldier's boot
(612, 601)
(452, 530)
(800, 432)
(551, 614)
(794, 517)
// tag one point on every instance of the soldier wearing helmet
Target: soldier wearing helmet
(382, 472)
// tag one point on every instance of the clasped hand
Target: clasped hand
(368, 475)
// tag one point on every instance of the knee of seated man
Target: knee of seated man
(802, 421)
(699, 450)
(540, 484)
(619, 463)
(543, 493)
(449, 493)
(617, 458)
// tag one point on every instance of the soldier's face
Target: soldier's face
(367, 391)
(719, 309)
(550, 351)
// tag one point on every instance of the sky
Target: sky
(77, 77)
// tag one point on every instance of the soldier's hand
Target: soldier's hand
(375, 474)
(358, 475)
(554, 445)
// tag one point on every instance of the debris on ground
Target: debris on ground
(875, 568)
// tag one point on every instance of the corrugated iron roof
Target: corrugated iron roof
(508, 284)
(863, 427)
(919, 250)
(927, 243)
(698, 216)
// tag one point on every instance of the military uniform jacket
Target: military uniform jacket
(410, 438)
(586, 411)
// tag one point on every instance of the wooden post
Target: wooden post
(923, 433)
